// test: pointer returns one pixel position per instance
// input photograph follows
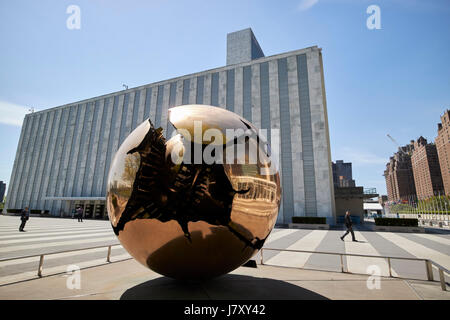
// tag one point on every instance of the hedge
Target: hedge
(14, 210)
(33, 211)
(309, 220)
(399, 222)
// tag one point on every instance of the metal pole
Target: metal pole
(108, 258)
(389, 265)
(429, 270)
(262, 256)
(342, 263)
(41, 263)
(442, 278)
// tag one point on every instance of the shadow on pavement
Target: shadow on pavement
(227, 287)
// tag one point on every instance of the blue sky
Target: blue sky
(393, 80)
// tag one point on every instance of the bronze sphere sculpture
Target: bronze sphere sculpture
(199, 204)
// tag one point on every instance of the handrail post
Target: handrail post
(41, 263)
(389, 265)
(342, 262)
(262, 262)
(442, 278)
(429, 270)
(108, 258)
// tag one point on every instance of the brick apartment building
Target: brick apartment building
(399, 174)
(443, 149)
(426, 169)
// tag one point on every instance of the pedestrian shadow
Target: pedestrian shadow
(226, 287)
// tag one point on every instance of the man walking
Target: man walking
(348, 224)
(24, 217)
(80, 214)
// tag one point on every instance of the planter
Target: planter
(315, 226)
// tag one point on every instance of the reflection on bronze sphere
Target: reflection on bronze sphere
(184, 216)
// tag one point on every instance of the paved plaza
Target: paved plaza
(52, 235)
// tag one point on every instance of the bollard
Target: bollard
(41, 263)
(442, 278)
(429, 270)
(108, 258)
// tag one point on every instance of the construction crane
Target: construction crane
(396, 143)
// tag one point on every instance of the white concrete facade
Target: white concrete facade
(66, 151)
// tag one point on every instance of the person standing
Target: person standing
(349, 225)
(80, 214)
(24, 217)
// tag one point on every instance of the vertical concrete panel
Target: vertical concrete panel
(37, 202)
(85, 147)
(142, 101)
(238, 91)
(307, 143)
(125, 113)
(66, 155)
(179, 99)
(285, 131)
(153, 104)
(247, 93)
(34, 158)
(215, 89)
(58, 160)
(319, 135)
(34, 172)
(148, 102)
(275, 118)
(99, 154)
(172, 103)
(207, 90)
(70, 177)
(18, 163)
(118, 124)
(136, 99)
(230, 90)
(192, 90)
(296, 138)
(95, 145)
(106, 149)
(256, 96)
(49, 164)
(130, 114)
(24, 162)
(200, 89)
(222, 89)
(186, 89)
(265, 98)
(165, 107)
(159, 102)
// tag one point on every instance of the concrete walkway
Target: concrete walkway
(129, 280)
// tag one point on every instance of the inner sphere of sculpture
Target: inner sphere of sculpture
(180, 214)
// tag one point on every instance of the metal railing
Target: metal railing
(428, 263)
(41, 255)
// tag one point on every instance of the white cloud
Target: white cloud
(306, 4)
(359, 157)
(12, 114)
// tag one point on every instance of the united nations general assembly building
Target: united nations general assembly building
(64, 153)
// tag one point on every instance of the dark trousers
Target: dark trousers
(80, 218)
(349, 229)
(22, 225)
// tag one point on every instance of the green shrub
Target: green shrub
(309, 220)
(398, 222)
